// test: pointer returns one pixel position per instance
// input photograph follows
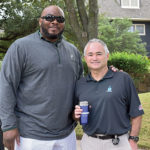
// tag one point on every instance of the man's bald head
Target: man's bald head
(52, 28)
(52, 9)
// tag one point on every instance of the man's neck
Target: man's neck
(51, 40)
(99, 74)
(47, 39)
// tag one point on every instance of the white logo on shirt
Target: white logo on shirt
(72, 57)
(109, 89)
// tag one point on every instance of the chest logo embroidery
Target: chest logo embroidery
(109, 89)
(72, 57)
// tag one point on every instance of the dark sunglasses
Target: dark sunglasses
(51, 18)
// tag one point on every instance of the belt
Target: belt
(105, 137)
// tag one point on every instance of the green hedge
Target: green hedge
(128, 62)
(131, 63)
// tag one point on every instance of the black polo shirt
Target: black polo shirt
(113, 101)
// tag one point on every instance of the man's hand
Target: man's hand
(114, 69)
(9, 138)
(133, 145)
(77, 113)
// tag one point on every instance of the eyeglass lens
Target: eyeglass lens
(60, 19)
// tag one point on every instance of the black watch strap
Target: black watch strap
(134, 138)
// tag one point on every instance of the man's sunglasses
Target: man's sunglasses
(51, 18)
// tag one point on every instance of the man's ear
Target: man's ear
(107, 56)
(40, 21)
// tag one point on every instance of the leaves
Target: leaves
(115, 34)
(20, 18)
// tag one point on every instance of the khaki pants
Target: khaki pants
(91, 143)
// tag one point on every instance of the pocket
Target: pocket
(128, 144)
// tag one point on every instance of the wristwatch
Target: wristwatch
(134, 138)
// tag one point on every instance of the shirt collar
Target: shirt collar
(55, 43)
(109, 74)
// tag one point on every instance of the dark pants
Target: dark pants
(1, 140)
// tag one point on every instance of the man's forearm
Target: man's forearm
(136, 125)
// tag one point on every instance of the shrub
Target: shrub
(129, 62)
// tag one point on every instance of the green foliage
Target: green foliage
(0, 64)
(1, 58)
(20, 18)
(79, 131)
(85, 67)
(129, 62)
(117, 37)
(144, 141)
(145, 129)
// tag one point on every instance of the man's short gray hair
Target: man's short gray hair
(99, 41)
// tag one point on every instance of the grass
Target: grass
(145, 129)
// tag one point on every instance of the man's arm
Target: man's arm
(135, 129)
(9, 82)
(9, 138)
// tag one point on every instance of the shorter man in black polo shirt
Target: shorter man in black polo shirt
(116, 112)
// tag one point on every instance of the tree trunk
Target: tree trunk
(93, 19)
(84, 23)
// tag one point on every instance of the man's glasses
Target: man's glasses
(51, 18)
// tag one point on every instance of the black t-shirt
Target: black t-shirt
(113, 101)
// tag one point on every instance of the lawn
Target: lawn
(145, 130)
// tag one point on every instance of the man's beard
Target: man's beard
(51, 36)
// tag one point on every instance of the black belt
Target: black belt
(105, 137)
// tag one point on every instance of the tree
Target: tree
(83, 20)
(118, 38)
(19, 18)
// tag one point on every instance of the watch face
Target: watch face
(136, 139)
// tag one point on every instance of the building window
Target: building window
(130, 4)
(138, 27)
